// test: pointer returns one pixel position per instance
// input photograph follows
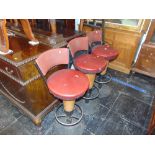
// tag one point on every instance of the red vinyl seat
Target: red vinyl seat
(68, 84)
(101, 50)
(90, 64)
(106, 52)
(65, 84)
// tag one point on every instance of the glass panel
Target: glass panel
(93, 22)
(128, 22)
(153, 37)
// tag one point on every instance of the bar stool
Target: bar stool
(89, 64)
(65, 84)
(105, 51)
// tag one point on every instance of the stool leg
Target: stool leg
(105, 70)
(68, 108)
(69, 105)
(100, 78)
(91, 78)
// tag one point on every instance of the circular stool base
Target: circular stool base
(69, 120)
(103, 78)
(89, 96)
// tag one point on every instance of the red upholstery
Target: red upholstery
(68, 84)
(78, 44)
(52, 58)
(89, 63)
(101, 50)
(105, 51)
(94, 36)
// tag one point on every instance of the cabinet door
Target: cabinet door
(126, 43)
(146, 60)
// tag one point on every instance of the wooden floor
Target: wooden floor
(123, 107)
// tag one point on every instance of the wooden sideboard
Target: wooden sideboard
(125, 40)
(20, 81)
(145, 63)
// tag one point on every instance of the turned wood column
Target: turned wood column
(53, 26)
(81, 25)
(4, 41)
(27, 30)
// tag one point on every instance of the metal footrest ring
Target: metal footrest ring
(69, 120)
(103, 78)
(88, 95)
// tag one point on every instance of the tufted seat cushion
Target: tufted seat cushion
(90, 64)
(105, 51)
(68, 84)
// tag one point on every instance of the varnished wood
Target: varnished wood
(53, 26)
(27, 29)
(151, 31)
(145, 63)
(46, 37)
(4, 42)
(91, 78)
(81, 25)
(69, 105)
(33, 99)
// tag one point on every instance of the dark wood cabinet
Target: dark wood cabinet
(145, 63)
(20, 81)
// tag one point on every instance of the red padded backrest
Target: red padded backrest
(78, 44)
(51, 58)
(94, 36)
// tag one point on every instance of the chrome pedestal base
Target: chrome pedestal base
(90, 94)
(69, 118)
(103, 78)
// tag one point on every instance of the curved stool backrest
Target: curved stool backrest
(51, 58)
(94, 36)
(78, 44)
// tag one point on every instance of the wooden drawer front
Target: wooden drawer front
(9, 69)
(148, 52)
(28, 71)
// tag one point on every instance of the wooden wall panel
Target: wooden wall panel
(126, 43)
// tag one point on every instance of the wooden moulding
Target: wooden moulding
(69, 105)
(53, 26)
(91, 78)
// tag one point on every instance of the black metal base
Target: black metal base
(103, 78)
(90, 95)
(68, 119)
